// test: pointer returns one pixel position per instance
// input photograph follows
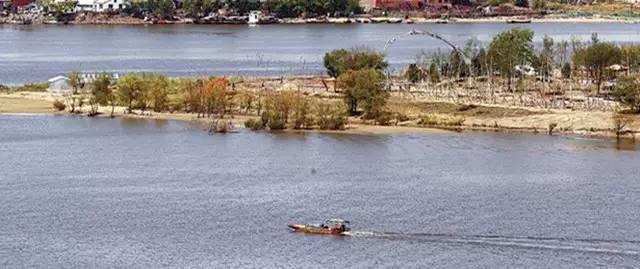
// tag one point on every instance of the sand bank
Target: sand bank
(489, 118)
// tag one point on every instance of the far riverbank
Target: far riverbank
(127, 20)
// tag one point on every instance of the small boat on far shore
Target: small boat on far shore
(519, 20)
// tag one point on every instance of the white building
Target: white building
(89, 77)
(84, 5)
(58, 84)
(109, 5)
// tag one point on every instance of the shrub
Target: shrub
(566, 70)
(36, 87)
(58, 105)
(627, 92)
(221, 126)
(276, 124)
(254, 125)
(435, 120)
(414, 74)
(552, 126)
(455, 121)
(330, 116)
(384, 118)
(301, 113)
(305, 122)
(334, 122)
(466, 107)
(428, 120)
(249, 123)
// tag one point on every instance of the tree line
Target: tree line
(512, 56)
(209, 98)
(166, 9)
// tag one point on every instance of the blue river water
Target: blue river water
(77, 192)
(36, 53)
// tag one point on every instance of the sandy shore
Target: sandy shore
(501, 119)
(42, 103)
(17, 104)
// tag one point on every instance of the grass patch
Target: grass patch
(458, 109)
(35, 87)
(440, 120)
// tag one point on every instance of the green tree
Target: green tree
(631, 57)
(434, 74)
(539, 4)
(60, 9)
(338, 61)
(414, 74)
(75, 81)
(457, 67)
(130, 89)
(163, 9)
(511, 48)
(100, 92)
(627, 92)
(199, 8)
(156, 92)
(242, 6)
(364, 87)
(480, 63)
(545, 58)
(596, 58)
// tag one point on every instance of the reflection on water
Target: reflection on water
(160, 123)
(155, 194)
(622, 144)
(625, 143)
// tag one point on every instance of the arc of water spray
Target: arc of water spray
(455, 48)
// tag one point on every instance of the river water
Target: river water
(38, 52)
(77, 192)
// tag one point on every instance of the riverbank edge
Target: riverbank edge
(23, 105)
(374, 20)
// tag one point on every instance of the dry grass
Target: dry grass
(23, 105)
(416, 109)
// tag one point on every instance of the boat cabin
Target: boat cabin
(337, 224)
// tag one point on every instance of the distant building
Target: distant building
(21, 3)
(84, 5)
(61, 83)
(368, 5)
(58, 84)
(89, 77)
(109, 5)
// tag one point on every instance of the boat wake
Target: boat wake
(609, 247)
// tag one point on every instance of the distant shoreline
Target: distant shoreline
(555, 18)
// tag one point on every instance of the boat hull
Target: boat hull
(303, 228)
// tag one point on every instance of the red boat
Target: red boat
(330, 226)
